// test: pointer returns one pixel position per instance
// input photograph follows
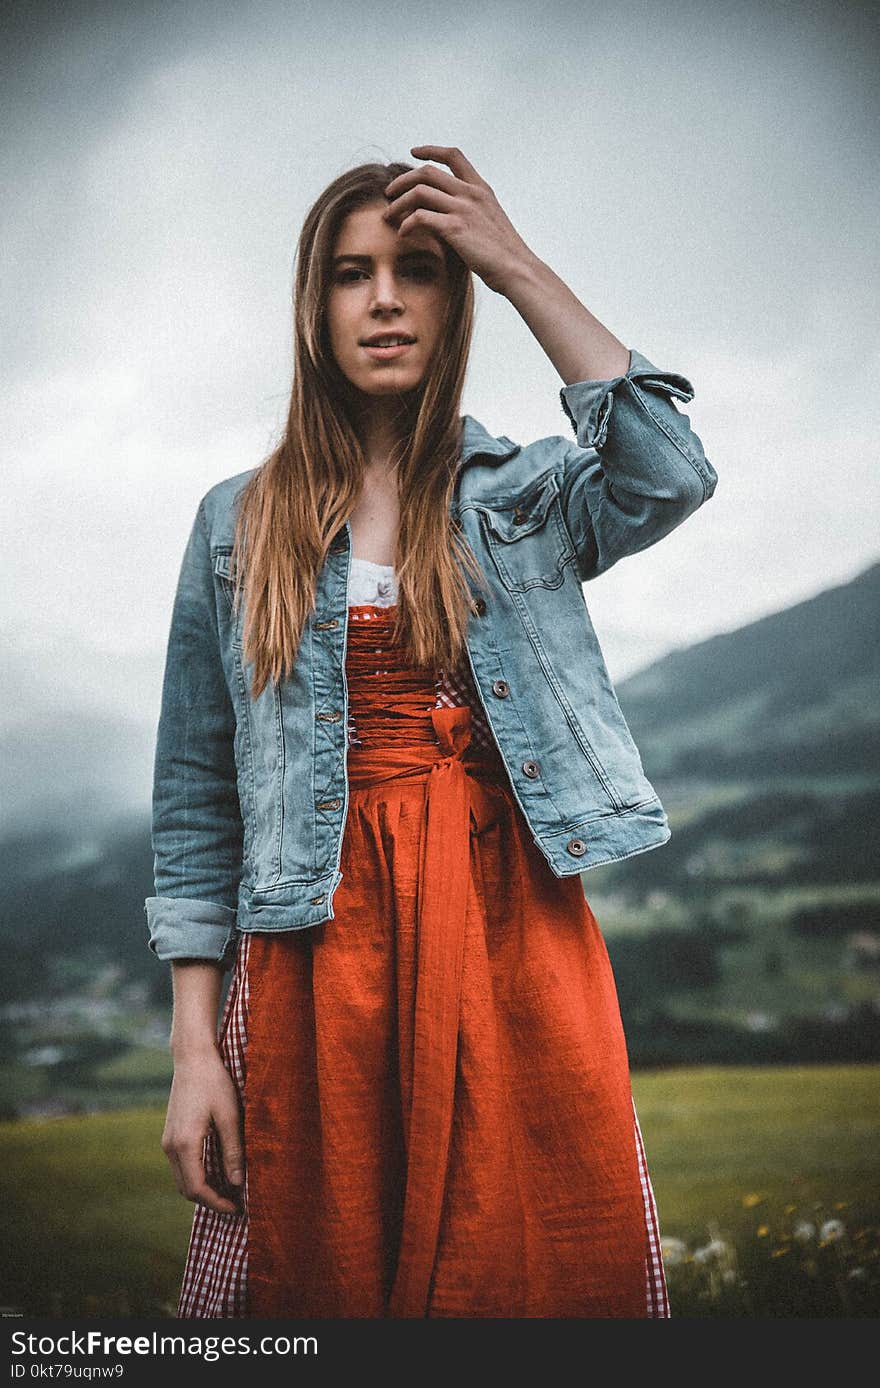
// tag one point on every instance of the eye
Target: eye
(423, 273)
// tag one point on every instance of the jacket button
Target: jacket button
(318, 900)
(326, 626)
(532, 770)
(501, 688)
(518, 516)
(576, 846)
(329, 804)
(330, 717)
(480, 607)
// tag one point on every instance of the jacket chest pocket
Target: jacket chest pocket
(527, 538)
(224, 575)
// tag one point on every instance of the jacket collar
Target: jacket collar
(476, 441)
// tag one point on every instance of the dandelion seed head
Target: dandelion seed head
(674, 1251)
(832, 1231)
(715, 1251)
(804, 1231)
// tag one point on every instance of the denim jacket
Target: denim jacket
(250, 797)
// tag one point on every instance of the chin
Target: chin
(390, 383)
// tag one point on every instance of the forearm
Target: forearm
(196, 986)
(579, 346)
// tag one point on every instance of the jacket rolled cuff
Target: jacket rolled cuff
(182, 928)
(588, 404)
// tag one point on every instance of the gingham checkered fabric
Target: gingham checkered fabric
(215, 1277)
(658, 1297)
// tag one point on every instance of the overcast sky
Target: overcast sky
(704, 177)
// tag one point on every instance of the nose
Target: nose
(386, 296)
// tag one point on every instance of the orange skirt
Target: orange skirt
(438, 1117)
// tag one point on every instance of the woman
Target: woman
(376, 789)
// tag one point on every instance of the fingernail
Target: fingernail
(236, 1177)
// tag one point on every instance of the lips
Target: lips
(382, 352)
(388, 340)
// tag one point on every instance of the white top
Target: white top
(372, 583)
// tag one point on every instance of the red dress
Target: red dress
(437, 1109)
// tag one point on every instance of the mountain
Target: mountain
(792, 694)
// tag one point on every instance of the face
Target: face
(382, 283)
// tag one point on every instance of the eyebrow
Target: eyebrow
(402, 256)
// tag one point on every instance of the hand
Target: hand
(461, 208)
(203, 1090)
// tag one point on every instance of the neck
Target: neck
(379, 423)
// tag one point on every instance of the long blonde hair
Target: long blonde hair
(302, 494)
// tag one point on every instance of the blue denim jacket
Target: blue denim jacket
(250, 797)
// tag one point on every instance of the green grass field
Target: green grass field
(95, 1226)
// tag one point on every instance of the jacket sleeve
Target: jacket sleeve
(197, 830)
(638, 469)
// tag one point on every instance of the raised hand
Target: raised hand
(461, 208)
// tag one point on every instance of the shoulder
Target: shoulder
(496, 467)
(218, 505)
